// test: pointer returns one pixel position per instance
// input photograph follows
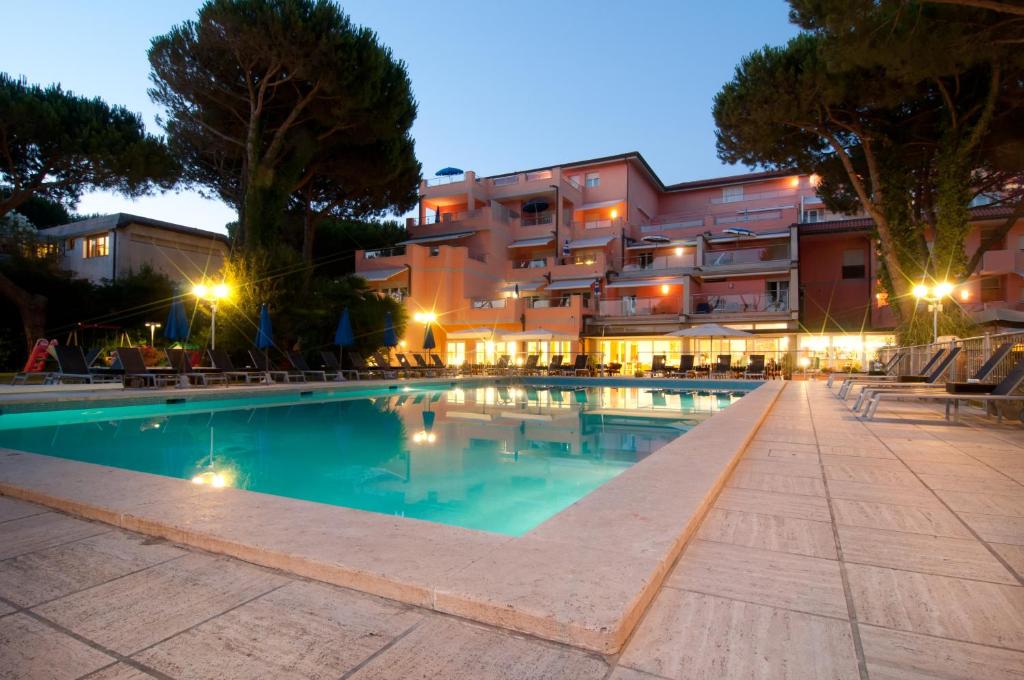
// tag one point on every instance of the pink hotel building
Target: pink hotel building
(601, 256)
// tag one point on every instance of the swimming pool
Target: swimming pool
(500, 457)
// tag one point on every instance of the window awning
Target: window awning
(436, 238)
(532, 242)
(377, 275)
(524, 286)
(571, 284)
(601, 204)
(665, 244)
(655, 281)
(596, 242)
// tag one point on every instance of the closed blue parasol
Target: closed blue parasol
(176, 327)
(343, 336)
(448, 172)
(265, 332)
(390, 337)
(428, 339)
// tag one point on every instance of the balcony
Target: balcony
(648, 262)
(383, 253)
(739, 307)
(488, 313)
(755, 259)
(532, 183)
(999, 262)
(564, 313)
(531, 263)
(634, 306)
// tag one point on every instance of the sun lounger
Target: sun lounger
(364, 369)
(580, 366)
(135, 369)
(658, 366)
(1000, 394)
(298, 362)
(888, 369)
(529, 366)
(446, 370)
(848, 383)
(723, 367)
(555, 365)
(330, 363)
(914, 382)
(755, 367)
(73, 368)
(685, 367)
(261, 361)
(179, 361)
(220, 360)
(499, 368)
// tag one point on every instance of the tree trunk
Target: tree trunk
(31, 307)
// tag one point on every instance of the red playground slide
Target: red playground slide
(37, 357)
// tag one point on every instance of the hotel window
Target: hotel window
(96, 246)
(593, 180)
(732, 194)
(811, 216)
(853, 264)
(992, 289)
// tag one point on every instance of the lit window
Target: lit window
(853, 264)
(812, 215)
(992, 289)
(96, 246)
(593, 180)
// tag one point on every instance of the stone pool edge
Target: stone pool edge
(583, 577)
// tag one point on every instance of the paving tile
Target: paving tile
(445, 648)
(690, 635)
(996, 528)
(770, 532)
(971, 611)
(30, 649)
(941, 482)
(623, 673)
(854, 451)
(1013, 554)
(121, 671)
(777, 483)
(54, 572)
(921, 458)
(780, 467)
(139, 610)
(1001, 460)
(934, 522)
(775, 454)
(12, 508)
(6, 609)
(798, 582)
(984, 503)
(896, 655)
(871, 475)
(878, 463)
(974, 471)
(769, 503)
(916, 497)
(965, 558)
(38, 532)
(302, 630)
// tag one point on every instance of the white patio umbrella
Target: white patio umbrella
(710, 330)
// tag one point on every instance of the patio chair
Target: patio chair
(723, 367)
(329, 362)
(220, 360)
(384, 363)
(555, 365)
(755, 367)
(658, 365)
(580, 366)
(179, 361)
(529, 366)
(911, 382)
(135, 369)
(500, 367)
(72, 367)
(403, 363)
(888, 369)
(261, 361)
(613, 368)
(1001, 393)
(685, 366)
(298, 362)
(848, 383)
(364, 369)
(435, 360)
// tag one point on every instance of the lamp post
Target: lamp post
(934, 296)
(152, 326)
(212, 294)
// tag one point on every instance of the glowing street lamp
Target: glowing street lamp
(212, 294)
(152, 326)
(934, 296)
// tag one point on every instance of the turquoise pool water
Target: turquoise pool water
(500, 458)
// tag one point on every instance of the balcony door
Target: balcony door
(777, 296)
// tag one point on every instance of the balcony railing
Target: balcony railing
(538, 175)
(550, 303)
(634, 306)
(737, 303)
(660, 262)
(445, 179)
(505, 180)
(497, 303)
(446, 218)
(721, 258)
(573, 183)
(377, 253)
(599, 224)
(537, 220)
(535, 263)
(739, 198)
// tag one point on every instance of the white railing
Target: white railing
(378, 253)
(445, 179)
(719, 258)
(634, 306)
(739, 198)
(740, 304)
(538, 175)
(498, 303)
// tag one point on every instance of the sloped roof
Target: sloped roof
(120, 220)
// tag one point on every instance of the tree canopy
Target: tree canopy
(278, 105)
(906, 110)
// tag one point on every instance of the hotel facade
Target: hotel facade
(600, 256)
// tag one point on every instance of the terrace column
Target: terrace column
(470, 190)
(794, 290)
(687, 301)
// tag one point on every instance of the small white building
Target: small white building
(104, 248)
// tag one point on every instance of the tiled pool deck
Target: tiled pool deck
(838, 549)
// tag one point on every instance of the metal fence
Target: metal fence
(973, 353)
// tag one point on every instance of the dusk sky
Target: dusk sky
(501, 86)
